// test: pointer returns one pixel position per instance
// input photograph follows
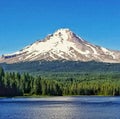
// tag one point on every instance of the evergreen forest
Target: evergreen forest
(59, 84)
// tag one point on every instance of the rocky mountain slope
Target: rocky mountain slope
(62, 45)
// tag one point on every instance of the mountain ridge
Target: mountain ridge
(63, 45)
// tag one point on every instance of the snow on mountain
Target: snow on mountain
(63, 45)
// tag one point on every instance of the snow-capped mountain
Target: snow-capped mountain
(62, 45)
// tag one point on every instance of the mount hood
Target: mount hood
(62, 45)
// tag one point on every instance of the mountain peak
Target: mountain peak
(64, 34)
(63, 44)
(63, 30)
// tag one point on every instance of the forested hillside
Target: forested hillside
(58, 84)
(61, 66)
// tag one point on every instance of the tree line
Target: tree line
(16, 84)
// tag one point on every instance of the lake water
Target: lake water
(81, 107)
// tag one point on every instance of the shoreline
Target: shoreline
(40, 96)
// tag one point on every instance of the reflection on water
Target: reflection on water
(60, 108)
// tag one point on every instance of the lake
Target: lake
(78, 107)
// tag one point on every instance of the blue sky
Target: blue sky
(24, 21)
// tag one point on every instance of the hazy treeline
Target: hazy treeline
(16, 84)
(61, 66)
